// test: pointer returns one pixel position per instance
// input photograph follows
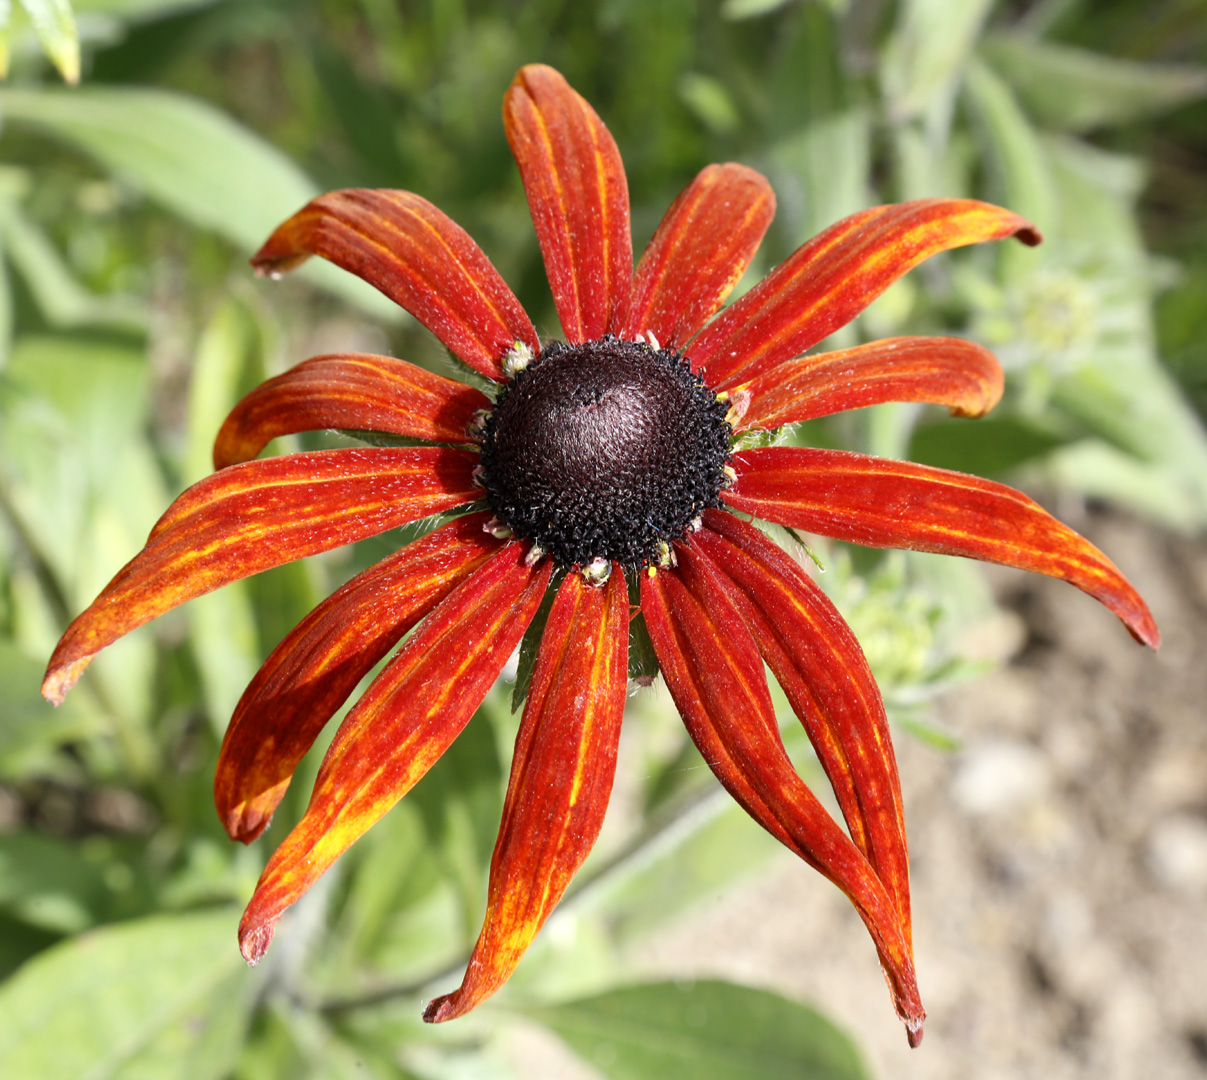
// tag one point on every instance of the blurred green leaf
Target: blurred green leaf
(705, 846)
(190, 157)
(62, 300)
(85, 1008)
(1102, 471)
(47, 883)
(926, 54)
(30, 727)
(1078, 90)
(820, 161)
(989, 447)
(748, 9)
(54, 24)
(706, 1030)
(137, 9)
(84, 488)
(1022, 175)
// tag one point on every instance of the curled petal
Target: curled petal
(396, 732)
(939, 371)
(561, 777)
(257, 515)
(579, 199)
(825, 676)
(833, 277)
(715, 675)
(352, 391)
(701, 249)
(897, 504)
(420, 258)
(318, 664)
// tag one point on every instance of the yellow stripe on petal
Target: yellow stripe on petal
(561, 777)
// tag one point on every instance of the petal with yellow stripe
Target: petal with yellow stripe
(318, 664)
(353, 391)
(561, 778)
(407, 718)
(897, 504)
(715, 675)
(254, 516)
(419, 257)
(832, 278)
(578, 197)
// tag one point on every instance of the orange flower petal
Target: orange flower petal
(254, 516)
(314, 669)
(833, 277)
(898, 504)
(397, 731)
(825, 676)
(352, 391)
(701, 249)
(940, 371)
(579, 199)
(561, 777)
(715, 675)
(420, 258)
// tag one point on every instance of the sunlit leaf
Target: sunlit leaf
(54, 24)
(88, 1006)
(928, 50)
(46, 882)
(1077, 90)
(30, 727)
(62, 300)
(1021, 173)
(189, 157)
(708, 1030)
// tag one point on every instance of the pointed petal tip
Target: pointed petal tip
(913, 1033)
(254, 939)
(1143, 627)
(269, 262)
(244, 823)
(1032, 237)
(441, 1009)
(62, 677)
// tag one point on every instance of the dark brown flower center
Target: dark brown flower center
(608, 450)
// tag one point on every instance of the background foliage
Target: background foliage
(130, 323)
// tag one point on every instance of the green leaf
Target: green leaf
(820, 163)
(47, 883)
(530, 645)
(927, 52)
(706, 1030)
(85, 1008)
(989, 447)
(191, 158)
(1099, 470)
(54, 24)
(1077, 90)
(704, 848)
(749, 9)
(30, 727)
(1021, 170)
(63, 302)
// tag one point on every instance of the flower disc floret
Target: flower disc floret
(604, 450)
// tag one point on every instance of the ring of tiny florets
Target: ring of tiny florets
(604, 452)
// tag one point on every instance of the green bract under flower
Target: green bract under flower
(607, 450)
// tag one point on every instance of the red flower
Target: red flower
(602, 459)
